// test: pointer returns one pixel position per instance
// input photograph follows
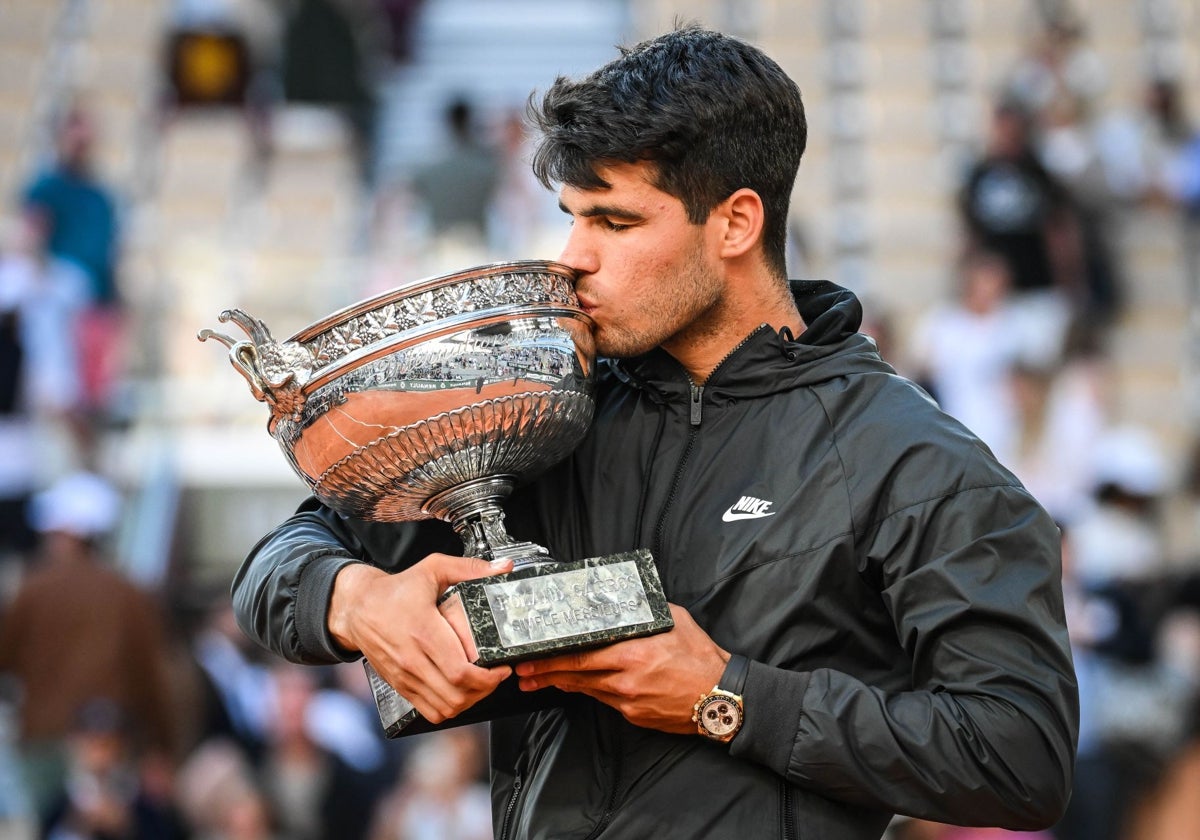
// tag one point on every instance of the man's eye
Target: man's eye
(615, 226)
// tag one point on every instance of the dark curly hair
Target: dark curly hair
(713, 114)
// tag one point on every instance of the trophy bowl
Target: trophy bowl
(384, 405)
(434, 400)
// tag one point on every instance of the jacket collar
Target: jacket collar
(767, 361)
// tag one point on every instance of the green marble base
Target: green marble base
(542, 611)
(558, 607)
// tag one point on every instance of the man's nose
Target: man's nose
(578, 253)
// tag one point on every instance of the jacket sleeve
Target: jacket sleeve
(985, 733)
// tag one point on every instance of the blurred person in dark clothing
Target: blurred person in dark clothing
(324, 63)
(80, 215)
(105, 796)
(1010, 205)
(78, 631)
(457, 188)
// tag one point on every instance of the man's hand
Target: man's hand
(653, 681)
(394, 621)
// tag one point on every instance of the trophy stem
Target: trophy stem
(473, 510)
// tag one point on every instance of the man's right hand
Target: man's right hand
(394, 621)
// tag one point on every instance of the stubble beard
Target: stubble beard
(686, 315)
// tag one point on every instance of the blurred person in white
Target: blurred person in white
(41, 297)
(1120, 537)
(77, 631)
(442, 794)
(1063, 408)
(963, 350)
(521, 211)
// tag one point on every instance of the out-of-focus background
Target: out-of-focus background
(1012, 187)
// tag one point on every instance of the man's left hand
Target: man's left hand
(653, 681)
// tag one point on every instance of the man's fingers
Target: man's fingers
(448, 570)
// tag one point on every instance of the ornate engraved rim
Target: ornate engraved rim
(436, 329)
(427, 284)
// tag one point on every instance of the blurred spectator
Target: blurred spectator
(1060, 415)
(1057, 69)
(520, 207)
(219, 796)
(233, 686)
(1134, 695)
(400, 17)
(1069, 148)
(41, 297)
(1012, 206)
(442, 794)
(80, 217)
(963, 351)
(457, 189)
(1120, 538)
(324, 63)
(105, 797)
(78, 631)
(314, 793)
(1142, 151)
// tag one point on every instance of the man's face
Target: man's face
(647, 276)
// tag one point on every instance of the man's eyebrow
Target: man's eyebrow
(602, 210)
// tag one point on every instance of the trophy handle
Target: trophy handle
(275, 372)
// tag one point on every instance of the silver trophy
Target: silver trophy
(433, 401)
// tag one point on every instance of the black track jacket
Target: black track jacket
(898, 594)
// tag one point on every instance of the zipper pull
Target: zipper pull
(697, 396)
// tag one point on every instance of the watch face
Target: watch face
(720, 716)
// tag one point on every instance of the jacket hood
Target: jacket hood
(767, 361)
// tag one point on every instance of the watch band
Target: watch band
(734, 678)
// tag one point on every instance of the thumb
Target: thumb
(448, 570)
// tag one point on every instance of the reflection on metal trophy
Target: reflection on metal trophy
(435, 400)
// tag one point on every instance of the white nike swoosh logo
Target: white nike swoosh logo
(730, 516)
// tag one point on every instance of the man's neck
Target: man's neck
(709, 341)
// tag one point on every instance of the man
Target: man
(852, 564)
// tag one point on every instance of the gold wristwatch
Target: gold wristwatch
(719, 713)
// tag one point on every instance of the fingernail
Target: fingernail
(497, 564)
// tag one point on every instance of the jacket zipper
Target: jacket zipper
(695, 416)
(510, 808)
(787, 813)
(610, 806)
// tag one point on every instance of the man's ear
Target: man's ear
(742, 213)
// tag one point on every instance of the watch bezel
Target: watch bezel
(719, 695)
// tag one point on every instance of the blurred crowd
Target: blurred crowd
(1021, 355)
(129, 711)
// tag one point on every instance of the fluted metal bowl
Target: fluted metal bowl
(431, 398)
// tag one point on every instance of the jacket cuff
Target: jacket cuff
(312, 608)
(773, 702)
